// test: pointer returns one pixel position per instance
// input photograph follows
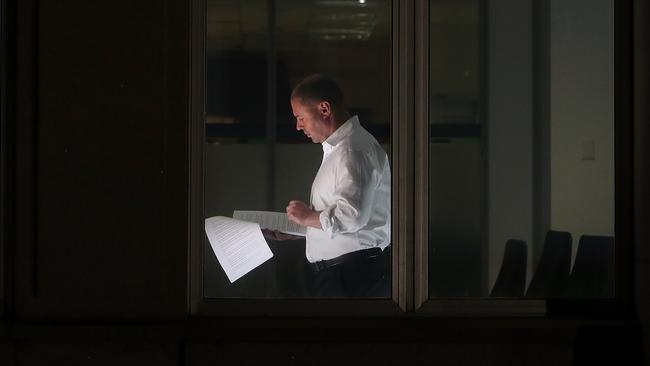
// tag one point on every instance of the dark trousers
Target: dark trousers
(358, 277)
(289, 275)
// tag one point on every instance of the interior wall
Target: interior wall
(235, 178)
(582, 117)
(455, 235)
(509, 129)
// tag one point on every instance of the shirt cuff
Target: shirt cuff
(326, 222)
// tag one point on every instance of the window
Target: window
(503, 129)
(256, 52)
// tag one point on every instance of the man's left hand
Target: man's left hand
(301, 214)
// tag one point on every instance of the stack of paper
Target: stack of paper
(239, 245)
(271, 220)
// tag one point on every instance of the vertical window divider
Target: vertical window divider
(26, 293)
(5, 167)
(402, 151)
(196, 95)
(421, 156)
(624, 175)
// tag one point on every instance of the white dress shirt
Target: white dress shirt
(352, 191)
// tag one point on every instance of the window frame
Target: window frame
(5, 159)
(410, 134)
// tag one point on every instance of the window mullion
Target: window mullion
(403, 158)
(197, 92)
(421, 150)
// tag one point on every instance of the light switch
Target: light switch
(588, 149)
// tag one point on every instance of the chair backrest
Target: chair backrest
(553, 268)
(511, 281)
(593, 271)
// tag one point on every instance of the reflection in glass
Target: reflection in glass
(455, 150)
(522, 149)
(257, 51)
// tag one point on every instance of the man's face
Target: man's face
(309, 120)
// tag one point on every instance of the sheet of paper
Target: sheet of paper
(271, 220)
(239, 245)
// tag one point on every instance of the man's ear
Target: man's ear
(325, 109)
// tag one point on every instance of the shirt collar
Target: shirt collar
(342, 132)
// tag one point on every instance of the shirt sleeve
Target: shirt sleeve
(355, 185)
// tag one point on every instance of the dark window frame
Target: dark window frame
(5, 159)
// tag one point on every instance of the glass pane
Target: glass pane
(256, 159)
(455, 150)
(522, 149)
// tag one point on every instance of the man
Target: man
(348, 218)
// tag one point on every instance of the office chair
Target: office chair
(593, 271)
(511, 281)
(553, 268)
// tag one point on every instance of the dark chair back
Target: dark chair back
(511, 281)
(553, 268)
(593, 271)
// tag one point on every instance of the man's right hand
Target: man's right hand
(279, 236)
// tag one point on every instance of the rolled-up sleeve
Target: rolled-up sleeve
(356, 181)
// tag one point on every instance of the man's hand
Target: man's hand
(298, 212)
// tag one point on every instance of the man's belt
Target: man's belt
(359, 254)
